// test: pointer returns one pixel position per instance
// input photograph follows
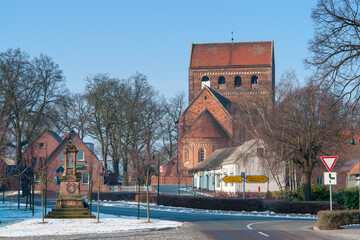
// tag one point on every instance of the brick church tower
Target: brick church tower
(221, 74)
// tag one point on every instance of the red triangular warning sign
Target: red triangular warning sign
(329, 161)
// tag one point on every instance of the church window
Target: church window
(254, 80)
(205, 81)
(221, 80)
(186, 156)
(237, 81)
(201, 154)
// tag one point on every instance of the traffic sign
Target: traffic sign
(229, 179)
(330, 178)
(329, 161)
(256, 179)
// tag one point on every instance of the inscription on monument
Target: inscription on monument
(70, 162)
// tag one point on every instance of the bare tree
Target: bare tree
(307, 123)
(335, 47)
(30, 89)
(100, 96)
(173, 108)
(255, 116)
(73, 114)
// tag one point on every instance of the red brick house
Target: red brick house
(46, 155)
(220, 75)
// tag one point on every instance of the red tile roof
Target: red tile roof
(231, 54)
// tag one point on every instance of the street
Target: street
(205, 224)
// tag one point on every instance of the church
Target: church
(221, 75)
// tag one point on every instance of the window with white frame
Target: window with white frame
(80, 156)
(85, 178)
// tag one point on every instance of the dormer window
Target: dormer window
(41, 145)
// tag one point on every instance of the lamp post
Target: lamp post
(158, 188)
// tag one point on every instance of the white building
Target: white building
(248, 158)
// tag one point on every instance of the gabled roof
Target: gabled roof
(241, 151)
(206, 126)
(65, 141)
(355, 169)
(214, 160)
(224, 102)
(231, 54)
(55, 135)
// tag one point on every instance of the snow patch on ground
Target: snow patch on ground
(20, 223)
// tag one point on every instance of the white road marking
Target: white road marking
(264, 234)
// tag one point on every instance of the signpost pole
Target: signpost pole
(330, 198)
(244, 180)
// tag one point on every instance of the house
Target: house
(353, 176)
(47, 159)
(248, 159)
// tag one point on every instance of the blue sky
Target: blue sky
(151, 37)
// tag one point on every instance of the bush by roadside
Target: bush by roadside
(334, 219)
(214, 203)
(115, 196)
(286, 206)
(348, 198)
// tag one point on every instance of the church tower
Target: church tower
(233, 70)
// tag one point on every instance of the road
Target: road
(219, 226)
(207, 225)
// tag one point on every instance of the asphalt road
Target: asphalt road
(220, 226)
(227, 227)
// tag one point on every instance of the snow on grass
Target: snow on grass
(127, 204)
(20, 223)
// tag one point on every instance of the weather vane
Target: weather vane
(232, 36)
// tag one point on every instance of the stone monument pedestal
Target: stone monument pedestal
(70, 204)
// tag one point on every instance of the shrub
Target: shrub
(335, 219)
(214, 203)
(348, 198)
(285, 206)
(115, 196)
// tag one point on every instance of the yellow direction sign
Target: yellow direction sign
(229, 179)
(253, 179)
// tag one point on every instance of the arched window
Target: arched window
(186, 156)
(237, 81)
(205, 81)
(221, 80)
(254, 80)
(201, 154)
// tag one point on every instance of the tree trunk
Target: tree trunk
(42, 199)
(126, 176)
(307, 186)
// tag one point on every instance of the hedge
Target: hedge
(335, 219)
(115, 196)
(214, 203)
(304, 207)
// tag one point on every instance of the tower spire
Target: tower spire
(232, 36)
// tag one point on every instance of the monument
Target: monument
(70, 204)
